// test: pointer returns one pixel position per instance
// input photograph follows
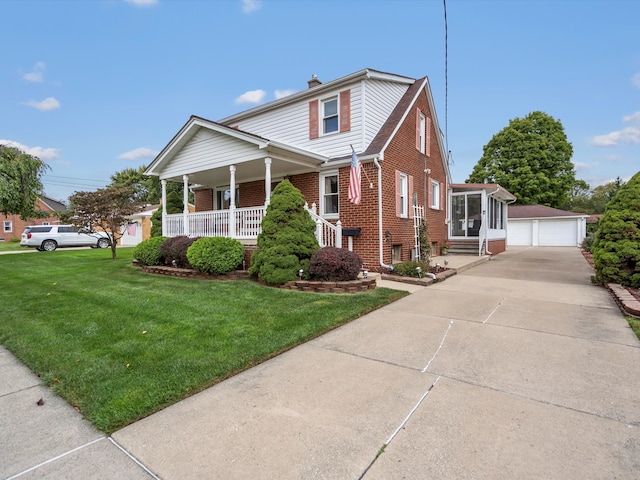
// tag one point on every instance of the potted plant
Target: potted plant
(445, 247)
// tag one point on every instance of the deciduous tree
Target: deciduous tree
(531, 158)
(20, 183)
(105, 209)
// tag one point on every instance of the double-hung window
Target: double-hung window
(435, 195)
(403, 195)
(421, 133)
(8, 226)
(330, 122)
(329, 196)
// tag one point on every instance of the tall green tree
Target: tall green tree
(147, 188)
(20, 183)
(106, 209)
(531, 158)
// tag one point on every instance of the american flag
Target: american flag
(355, 191)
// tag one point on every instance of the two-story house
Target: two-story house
(390, 122)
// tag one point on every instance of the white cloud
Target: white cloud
(626, 135)
(138, 154)
(36, 74)
(583, 166)
(143, 3)
(283, 93)
(252, 96)
(44, 154)
(636, 80)
(250, 6)
(45, 105)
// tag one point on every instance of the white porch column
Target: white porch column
(267, 181)
(164, 207)
(232, 201)
(185, 200)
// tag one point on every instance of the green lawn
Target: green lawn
(634, 323)
(119, 344)
(11, 246)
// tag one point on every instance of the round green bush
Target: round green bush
(148, 251)
(410, 269)
(215, 255)
(331, 264)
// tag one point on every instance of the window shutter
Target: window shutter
(418, 128)
(428, 139)
(313, 119)
(410, 199)
(398, 200)
(429, 198)
(442, 196)
(345, 111)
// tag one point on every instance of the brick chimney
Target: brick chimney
(314, 82)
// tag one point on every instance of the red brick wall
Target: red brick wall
(497, 246)
(203, 199)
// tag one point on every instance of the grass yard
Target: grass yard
(119, 344)
(634, 323)
(12, 246)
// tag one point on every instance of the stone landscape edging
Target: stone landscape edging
(624, 299)
(425, 281)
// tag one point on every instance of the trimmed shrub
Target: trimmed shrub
(410, 269)
(174, 249)
(287, 240)
(616, 249)
(215, 255)
(331, 264)
(148, 252)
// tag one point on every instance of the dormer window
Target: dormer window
(330, 115)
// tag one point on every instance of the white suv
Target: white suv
(50, 237)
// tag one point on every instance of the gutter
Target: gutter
(377, 164)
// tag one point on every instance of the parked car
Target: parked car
(49, 237)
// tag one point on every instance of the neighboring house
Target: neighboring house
(138, 228)
(478, 218)
(537, 225)
(13, 225)
(389, 120)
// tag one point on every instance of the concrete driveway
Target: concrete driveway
(518, 368)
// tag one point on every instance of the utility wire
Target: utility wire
(446, 84)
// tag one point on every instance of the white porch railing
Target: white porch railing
(247, 226)
(328, 234)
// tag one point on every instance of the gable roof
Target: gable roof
(540, 211)
(53, 205)
(493, 189)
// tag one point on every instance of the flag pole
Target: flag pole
(363, 170)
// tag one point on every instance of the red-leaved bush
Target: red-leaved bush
(174, 250)
(332, 264)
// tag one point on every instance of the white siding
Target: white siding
(381, 99)
(207, 150)
(290, 124)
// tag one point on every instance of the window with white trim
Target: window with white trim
(8, 226)
(403, 192)
(329, 195)
(421, 133)
(223, 197)
(330, 122)
(435, 195)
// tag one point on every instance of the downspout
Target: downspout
(377, 164)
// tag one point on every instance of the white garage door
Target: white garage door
(519, 233)
(558, 233)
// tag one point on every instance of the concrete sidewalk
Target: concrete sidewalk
(517, 368)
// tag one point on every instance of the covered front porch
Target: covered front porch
(232, 174)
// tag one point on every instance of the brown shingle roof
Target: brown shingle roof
(539, 211)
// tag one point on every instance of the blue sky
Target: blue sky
(96, 86)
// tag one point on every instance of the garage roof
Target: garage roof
(539, 211)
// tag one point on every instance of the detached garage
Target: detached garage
(540, 226)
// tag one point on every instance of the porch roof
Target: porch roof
(493, 189)
(250, 152)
